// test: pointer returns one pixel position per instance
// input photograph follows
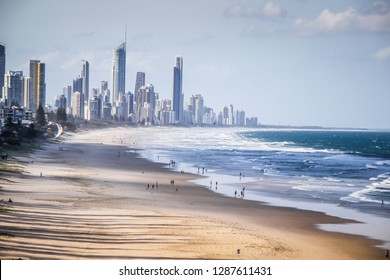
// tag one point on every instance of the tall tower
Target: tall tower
(78, 105)
(177, 95)
(13, 88)
(2, 65)
(85, 76)
(118, 72)
(37, 85)
(67, 91)
(139, 82)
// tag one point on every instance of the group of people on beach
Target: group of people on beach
(148, 186)
(204, 170)
(155, 186)
(242, 193)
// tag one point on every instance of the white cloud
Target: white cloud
(269, 10)
(383, 53)
(375, 19)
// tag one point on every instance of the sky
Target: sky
(287, 62)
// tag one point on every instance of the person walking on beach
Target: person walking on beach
(387, 254)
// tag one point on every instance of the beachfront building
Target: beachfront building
(95, 108)
(26, 91)
(67, 91)
(252, 122)
(77, 105)
(2, 65)
(85, 81)
(209, 116)
(78, 89)
(37, 85)
(118, 72)
(15, 115)
(240, 118)
(177, 94)
(139, 82)
(147, 97)
(60, 101)
(13, 89)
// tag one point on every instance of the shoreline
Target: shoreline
(92, 202)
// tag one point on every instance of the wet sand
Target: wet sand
(92, 202)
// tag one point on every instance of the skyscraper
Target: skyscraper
(85, 76)
(78, 86)
(139, 82)
(37, 85)
(13, 88)
(118, 72)
(2, 65)
(177, 95)
(67, 91)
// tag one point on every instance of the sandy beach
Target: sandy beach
(87, 197)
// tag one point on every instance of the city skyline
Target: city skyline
(287, 62)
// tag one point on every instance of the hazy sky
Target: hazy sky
(290, 62)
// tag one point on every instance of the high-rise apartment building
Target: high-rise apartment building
(118, 72)
(85, 76)
(26, 91)
(177, 94)
(199, 109)
(67, 91)
(37, 85)
(103, 86)
(13, 88)
(78, 88)
(148, 101)
(77, 105)
(2, 65)
(139, 82)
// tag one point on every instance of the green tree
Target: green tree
(40, 116)
(61, 115)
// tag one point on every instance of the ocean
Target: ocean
(342, 173)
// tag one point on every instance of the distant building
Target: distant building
(139, 82)
(199, 109)
(118, 72)
(37, 85)
(78, 88)
(107, 116)
(252, 122)
(60, 101)
(77, 105)
(103, 86)
(2, 65)
(209, 116)
(15, 115)
(240, 118)
(85, 77)
(26, 91)
(67, 91)
(177, 94)
(13, 89)
(95, 108)
(130, 103)
(148, 101)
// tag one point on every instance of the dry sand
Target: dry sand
(92, 202)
